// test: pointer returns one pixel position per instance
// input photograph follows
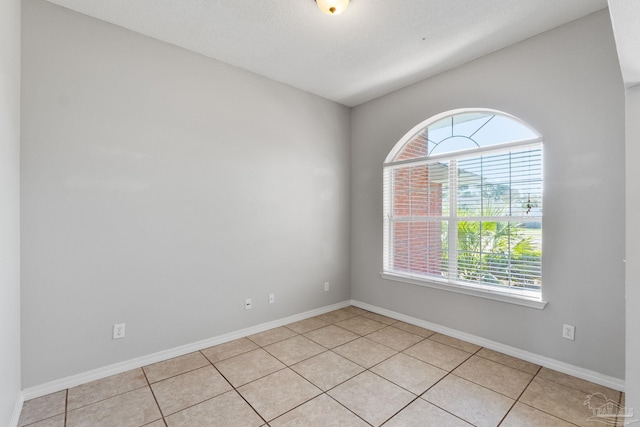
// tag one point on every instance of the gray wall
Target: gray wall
(9, 208)
(566, 83)
(161, 189)
(633, 250)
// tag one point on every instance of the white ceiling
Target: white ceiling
(373, 48)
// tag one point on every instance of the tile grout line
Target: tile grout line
(434, 384)
(533, 376)
(441, 379)
(508, 366)
(447, 372)
(538, 409)
(154, 396)
(401, 409)
(547, 413)
(171, 376)
(552, 380)
(340, 403)
(369, 369)
(292, 370)
(66, 407)
(518, 398)
(64, 413)
(230, 357)
(618, 414)
(233, 388)
(325, 392)
(264, 376)
(306, 401)
(488, 388)
(322, 392)
(240, 394)
(541, 410)
(346, 342)
(109, 397)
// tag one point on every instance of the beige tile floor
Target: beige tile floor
(348, 367)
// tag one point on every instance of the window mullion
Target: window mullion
(453, 220)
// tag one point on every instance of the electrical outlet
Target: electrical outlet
(247, 304)
(118, 331)
(272, 298)
(569, 332)
(326, 286)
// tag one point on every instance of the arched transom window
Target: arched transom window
(463, 203)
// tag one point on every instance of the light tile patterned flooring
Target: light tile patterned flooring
(349, 367)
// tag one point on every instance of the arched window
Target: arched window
(463, 204)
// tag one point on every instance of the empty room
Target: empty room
(319, 213)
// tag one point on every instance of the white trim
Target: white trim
(547, 362)
(117, 368)
(17, 411)
(466, 290)
(472, 152)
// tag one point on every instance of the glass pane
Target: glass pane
(469, 251)
(508, 184)
(500, 253)
(502, 129)
(418, 202)
(526, 255)
(462, 132)
(526, 182)
(419, 247)
(421, 191)
(416, 147)
(496, 239)
(496, 187)
(443, 253)
(470, 187)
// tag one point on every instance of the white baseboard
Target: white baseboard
(547, 362)
(96, 374)
(17, 410)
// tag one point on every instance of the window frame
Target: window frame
(528, 298)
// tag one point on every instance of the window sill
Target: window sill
(480, 293)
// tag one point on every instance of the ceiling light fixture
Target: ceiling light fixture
(332, 7)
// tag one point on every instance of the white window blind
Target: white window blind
(471, 217)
